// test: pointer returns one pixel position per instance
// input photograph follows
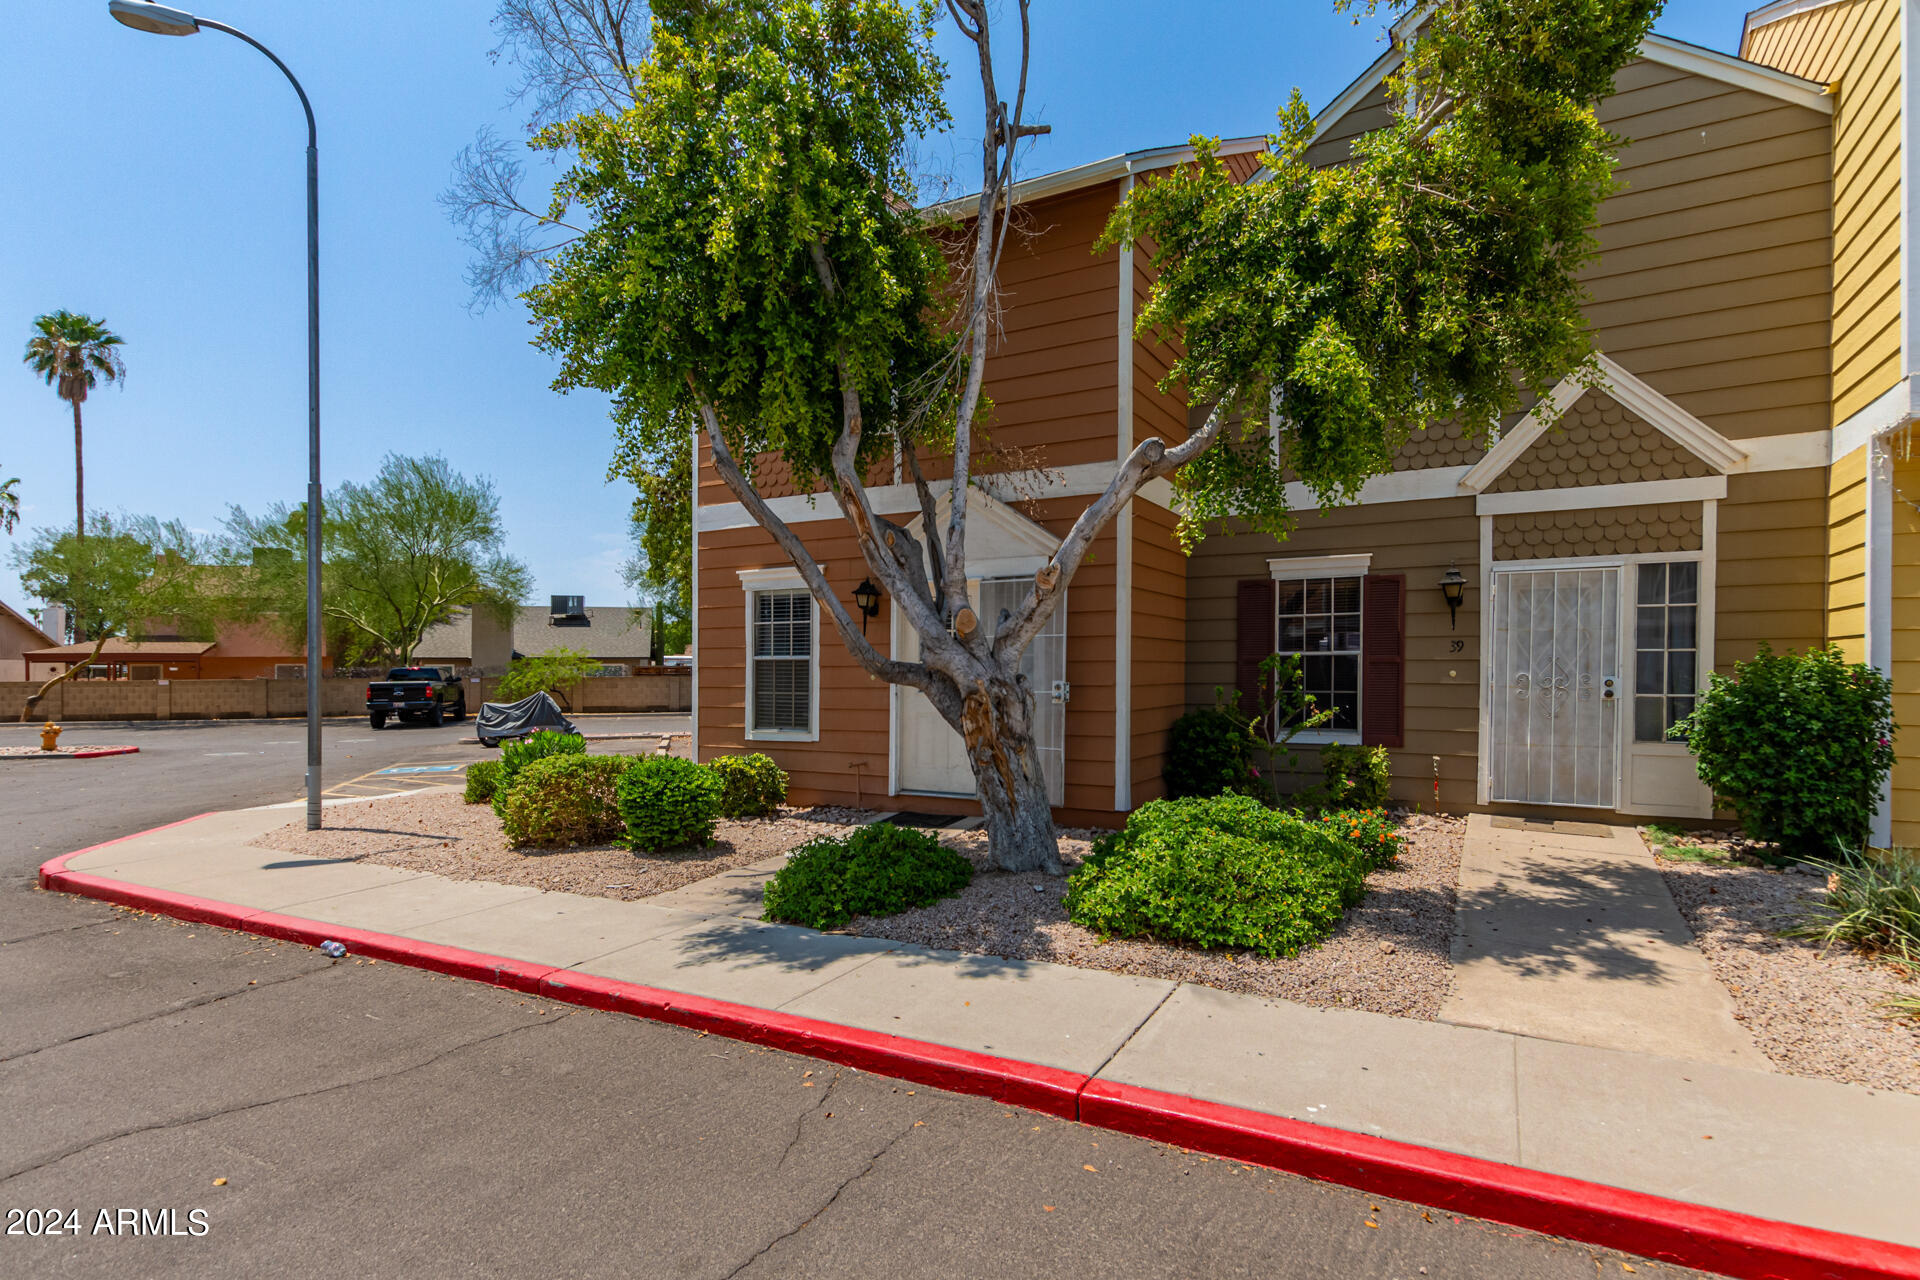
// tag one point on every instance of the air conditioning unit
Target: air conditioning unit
(568, 611)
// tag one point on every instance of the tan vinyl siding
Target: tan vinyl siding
(1419, 539)
(1771, 564)
(1906, 657)
(1855, 46)
(1713, 278)
(1847, 554)
(1336, 145)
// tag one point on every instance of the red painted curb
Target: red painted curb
(1735, 1244)
(1692, 1235)
(1026, 1084)
(103, 751)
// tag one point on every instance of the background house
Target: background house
(616, 635)
(18, 634)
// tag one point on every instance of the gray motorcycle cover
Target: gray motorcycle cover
(537, 711)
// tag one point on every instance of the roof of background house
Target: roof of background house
(21, 618)
(613, 632)
(117, 648)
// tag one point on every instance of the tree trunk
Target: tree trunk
(33, 699)
(996, 721)
(79, 480)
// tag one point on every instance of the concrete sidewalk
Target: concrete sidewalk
(1799, 1151)
(1566, 931)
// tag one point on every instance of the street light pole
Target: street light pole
(161, 20)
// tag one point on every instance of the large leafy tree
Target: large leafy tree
(74, 353)
(398, 555)
(754, 262)
(132, 577)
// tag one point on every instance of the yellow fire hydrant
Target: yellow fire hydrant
(49, 736)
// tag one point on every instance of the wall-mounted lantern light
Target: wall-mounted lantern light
(1453, 585)
(867, 597)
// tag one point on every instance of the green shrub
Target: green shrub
(1371, 835)
(669, 803)
(565, 800)
(521, 752)
(1874, 906)
(1356, 777)
(1210, 753)
(1798, 745)
(876, 871)
(750, 786)
(483, 779)
(1225, 872)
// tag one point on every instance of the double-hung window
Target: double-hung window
(1318, 606)
(782, 668)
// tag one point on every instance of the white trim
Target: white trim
(1507, 450)
(1724, 67)
(1082, 480)
(1669, 418)
(1345, 566)
(754, 582)
(1483, 760)
(1351, 96)
(1795, 452)
(1123, 537)
(1893, 409)
(1393, 486)
(1879, 601)
(1093, 173)
(693, 617)
(1582, 497)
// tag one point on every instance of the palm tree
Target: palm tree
(74, 353)
(9, 504)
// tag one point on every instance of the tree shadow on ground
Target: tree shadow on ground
(1552, 916)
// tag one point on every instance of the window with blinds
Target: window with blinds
(782, 662)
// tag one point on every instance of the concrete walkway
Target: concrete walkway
(1801, 1151)
(1566, 931)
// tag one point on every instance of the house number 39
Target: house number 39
(1456, 646)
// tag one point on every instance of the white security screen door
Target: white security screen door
(933, 759)
(1554, 713)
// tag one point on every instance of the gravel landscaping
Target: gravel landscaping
(437, 831)
(1813, 1013)
(1392, 953)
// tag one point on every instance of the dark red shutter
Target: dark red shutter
(1383, 656)
(1253, 639)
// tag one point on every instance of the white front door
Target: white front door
(933, 759)
(1554, 683)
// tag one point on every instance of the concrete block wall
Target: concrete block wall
(669, 689)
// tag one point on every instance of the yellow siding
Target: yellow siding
(1846, 554)
(1906, 657)
(1855, 46)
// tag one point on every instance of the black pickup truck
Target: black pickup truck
(432, 694)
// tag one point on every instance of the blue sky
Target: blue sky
(157, 183)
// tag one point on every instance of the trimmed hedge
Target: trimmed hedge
(565, 800)
(1225, 872)
(521, 752)
(483, 779)
(668, 803)
(750, 786)
(1356, 777)
(876, 871)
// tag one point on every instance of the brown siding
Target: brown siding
(855, 720)
(1771, 564)
(1419, 539)
(1159, 644)
(1855, 46)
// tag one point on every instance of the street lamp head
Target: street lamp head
(155, 18)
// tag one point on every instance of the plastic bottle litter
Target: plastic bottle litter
(334, 949)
